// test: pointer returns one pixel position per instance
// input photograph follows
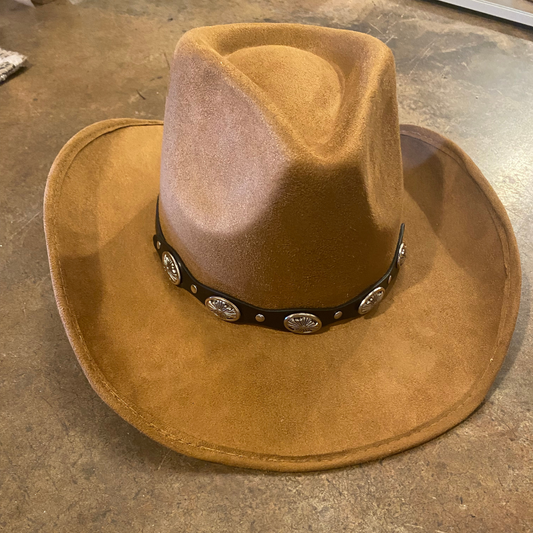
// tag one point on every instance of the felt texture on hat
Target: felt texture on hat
(281, 178)
(260, 398)
(281, 191)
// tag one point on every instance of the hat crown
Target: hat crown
(281, 175)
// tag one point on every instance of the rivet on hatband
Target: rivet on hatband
(337, 315)
(260, 318)
(302, 323)
(389, 280)
(194, 289)
(223, 308)
(158, 245)
(371, 300)
(171, 268)
(402, 254)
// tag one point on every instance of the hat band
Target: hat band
(303, 321)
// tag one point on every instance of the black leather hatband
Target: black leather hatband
(302, 321)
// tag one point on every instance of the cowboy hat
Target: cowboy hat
(281, 276)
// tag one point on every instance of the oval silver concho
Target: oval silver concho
(371, 300)
(302, 323)
(223, 308)
(402, 254)
(171, 268)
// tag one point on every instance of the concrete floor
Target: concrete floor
(70, 464)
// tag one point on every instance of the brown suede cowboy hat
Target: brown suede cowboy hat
(281, 276)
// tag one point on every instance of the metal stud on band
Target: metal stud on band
(371, 300)
(171, 268)
(302, 323)
(223, 308)
(402, 254)
(259, 317)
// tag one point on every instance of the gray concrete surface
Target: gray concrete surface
(70, 464)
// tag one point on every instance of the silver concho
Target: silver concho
(223, 308)
(302, 323)
(402, 254)
(371, 300)
(171, 268)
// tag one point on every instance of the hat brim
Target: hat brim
(253, 397)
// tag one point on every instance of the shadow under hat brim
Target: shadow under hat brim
(253, 397)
